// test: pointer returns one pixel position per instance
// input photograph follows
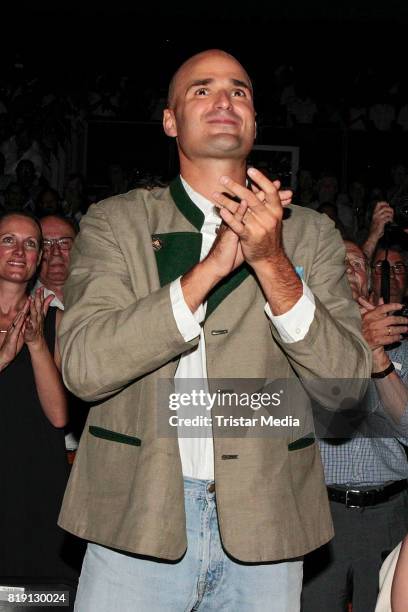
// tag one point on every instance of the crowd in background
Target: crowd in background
(38, 116)
(366, 98)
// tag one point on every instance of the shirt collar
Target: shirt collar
(206, 207)
(56, 302)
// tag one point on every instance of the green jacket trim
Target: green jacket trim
(113, 436)
(178, 252)
(185, 204)
(307, 440)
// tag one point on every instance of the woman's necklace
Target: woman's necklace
(4, 331)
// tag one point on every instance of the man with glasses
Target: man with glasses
(366, 472)
(58, 238)
(398, 274)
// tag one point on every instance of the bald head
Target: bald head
(211, 111)
(190, 63)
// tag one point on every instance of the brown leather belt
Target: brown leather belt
(356, 498)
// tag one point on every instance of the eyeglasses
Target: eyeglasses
(65, 243)
(398, 268)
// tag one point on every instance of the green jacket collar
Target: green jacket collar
(185, 204)
(177, 252)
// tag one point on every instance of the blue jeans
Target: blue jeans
(205, 579)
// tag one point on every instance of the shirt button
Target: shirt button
(297, 330)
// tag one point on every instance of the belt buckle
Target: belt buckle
(348, 505)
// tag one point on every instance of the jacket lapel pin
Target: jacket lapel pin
(157, 244)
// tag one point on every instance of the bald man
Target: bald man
(201, 281)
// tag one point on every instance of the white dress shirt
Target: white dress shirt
(197, 453)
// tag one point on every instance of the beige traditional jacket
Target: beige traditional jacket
(119, 339)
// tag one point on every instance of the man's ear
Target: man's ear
(169, 123)
(256, 130)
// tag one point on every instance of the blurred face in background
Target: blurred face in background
(327, 188)
(305, 180)
(398, 275)
(357, 270)
(25, 173)
(48, 203)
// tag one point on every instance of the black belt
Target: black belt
(355, 498)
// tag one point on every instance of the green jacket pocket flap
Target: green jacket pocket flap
(114, 436)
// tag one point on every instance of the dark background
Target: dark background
(152, 40)
(69, 43)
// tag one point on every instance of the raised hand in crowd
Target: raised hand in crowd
(380, 326)
(383, 214)
(381, 329)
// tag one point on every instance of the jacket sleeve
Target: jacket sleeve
(109, 336)
(333, 360)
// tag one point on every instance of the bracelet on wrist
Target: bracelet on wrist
(383, 373)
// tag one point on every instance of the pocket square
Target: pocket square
(300, 271)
